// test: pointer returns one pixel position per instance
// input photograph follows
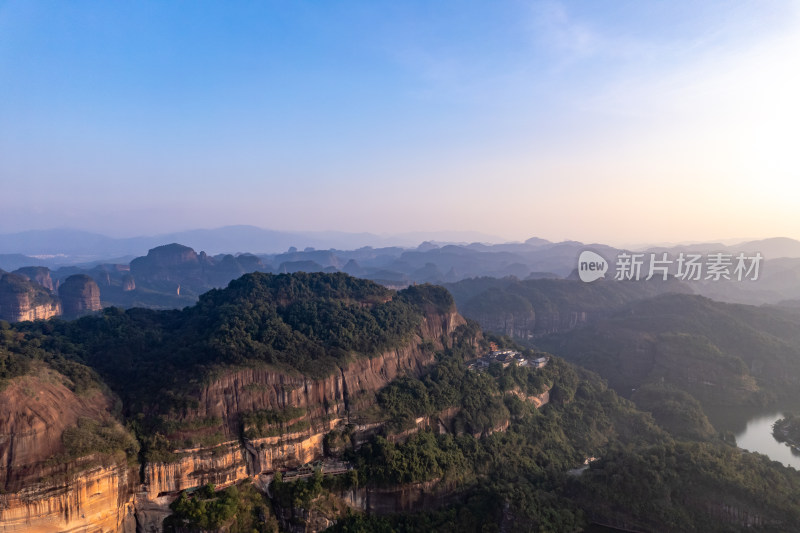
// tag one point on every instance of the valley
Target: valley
(399, 267)
(275, 372)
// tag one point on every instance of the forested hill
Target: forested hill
(306, 323)
(723, 354)
(223, 393)
(530, 308)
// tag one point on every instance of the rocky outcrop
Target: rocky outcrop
(234, 461)
(325, 402)
(79, 295)
(37, 409)
(109, 276)
(402, 498)
(537, 400)
(41, 489)
(318, 515)
(150, 513)
(98, 493)
(83, 500)
(128, 283)
(22, 299)
(354, 386)
(221, 465)
(165, 257)
(174, 267)
(38, 274)
(288, 450)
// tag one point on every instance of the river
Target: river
(757, 437)
(753, 431)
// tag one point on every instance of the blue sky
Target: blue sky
(618, 122)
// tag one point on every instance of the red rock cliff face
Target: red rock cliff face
(221, 465)
(79, 295)
(89, 499)
(95, 494)
(41, 494)
(22, 299)
(35, 411)
(263, 388)
(37, 274)
(326, 401)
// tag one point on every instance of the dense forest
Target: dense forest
(534, 307)
(508, 447)
(722, 354)
(787, 429)
(306, 323)
(647, 477)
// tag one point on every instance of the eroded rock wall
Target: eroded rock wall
(43, 489)
(98, 494)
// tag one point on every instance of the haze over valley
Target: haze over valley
(363, 267)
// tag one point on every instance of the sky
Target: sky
(612, 121)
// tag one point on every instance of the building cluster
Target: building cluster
(327, 466)
(505, 358)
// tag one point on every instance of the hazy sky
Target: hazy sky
(612, 121)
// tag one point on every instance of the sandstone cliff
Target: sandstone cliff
(164, 257)
(44, 489)
(36, 410)
(518, 319)
(166, 268)
(79, 295)
(103, 491)
(221, 465)
(90, 498)
(38, 274)
(128, 283)
(22, 299)
(325, 401)
(249, 389)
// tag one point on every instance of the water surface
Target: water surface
(757, 437)
(752, 427)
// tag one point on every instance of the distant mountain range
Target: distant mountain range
(68, 246)
(56, 247)
(773, 248)
(174, 275)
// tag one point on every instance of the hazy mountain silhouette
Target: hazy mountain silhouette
(82, 245)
